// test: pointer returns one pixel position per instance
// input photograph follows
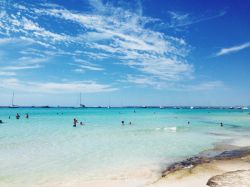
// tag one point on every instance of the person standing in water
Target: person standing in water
(221, 124)
(75, 122)
(17, 116)
(27, 116)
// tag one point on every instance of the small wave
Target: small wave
(173, 129)
(170, 129)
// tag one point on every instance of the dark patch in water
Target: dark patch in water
(217, 134)
(233, 126)
(218, 123)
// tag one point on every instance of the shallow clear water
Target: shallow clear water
(46, 148)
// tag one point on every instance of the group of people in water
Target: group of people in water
(221, 124)
(18, 116)
(123, 123)
(75, 121)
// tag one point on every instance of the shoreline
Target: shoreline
(223, 163)
(194, 171)
(208, 157)
(229, 153)
(210, 165)
(209, 168)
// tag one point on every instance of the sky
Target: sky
(125, 52)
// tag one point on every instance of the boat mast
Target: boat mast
(80, 99)
(12, 102)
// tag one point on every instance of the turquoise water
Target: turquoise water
(46, 148)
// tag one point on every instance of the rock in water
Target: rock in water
(240, 178)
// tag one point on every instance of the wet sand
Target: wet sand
(197, 170)
(194, 171)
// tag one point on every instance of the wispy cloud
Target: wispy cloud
(25, 63)
(233, 49)
(112, 33)
(180, 19)
(55, 87)
(83, 65)
(7, 73)
(22, 67)
(145, 81)
(209, 85)
(153, 82)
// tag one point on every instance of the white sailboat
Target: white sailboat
(12, 101)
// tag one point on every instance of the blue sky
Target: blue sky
(129, 52)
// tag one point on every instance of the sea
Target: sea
(46, 150)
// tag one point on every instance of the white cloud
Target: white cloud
(145, 81)
(120, 36)
(180, 19)
(7, 73)
(20, 67)
(90, 68)
(153, 82)
(209, 85)
(24, 63)
(55, 87)
(233, 49)
(83, 65)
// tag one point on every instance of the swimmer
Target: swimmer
(17, 116)
(27, 116)
(188, 122)
(221, 124)
(81, 123)
(75, 122)
(1, 121)
(130, 123)
(122, 122)
(9, 117)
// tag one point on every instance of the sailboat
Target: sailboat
(81, 105)
(12, 101)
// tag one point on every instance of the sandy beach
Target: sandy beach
(197, 175)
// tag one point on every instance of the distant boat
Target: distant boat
(191, 107)
(45, 106)
(244, 108)
(81, 105)
(12, 101)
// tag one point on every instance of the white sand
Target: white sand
(199, 175)
(193, 177)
